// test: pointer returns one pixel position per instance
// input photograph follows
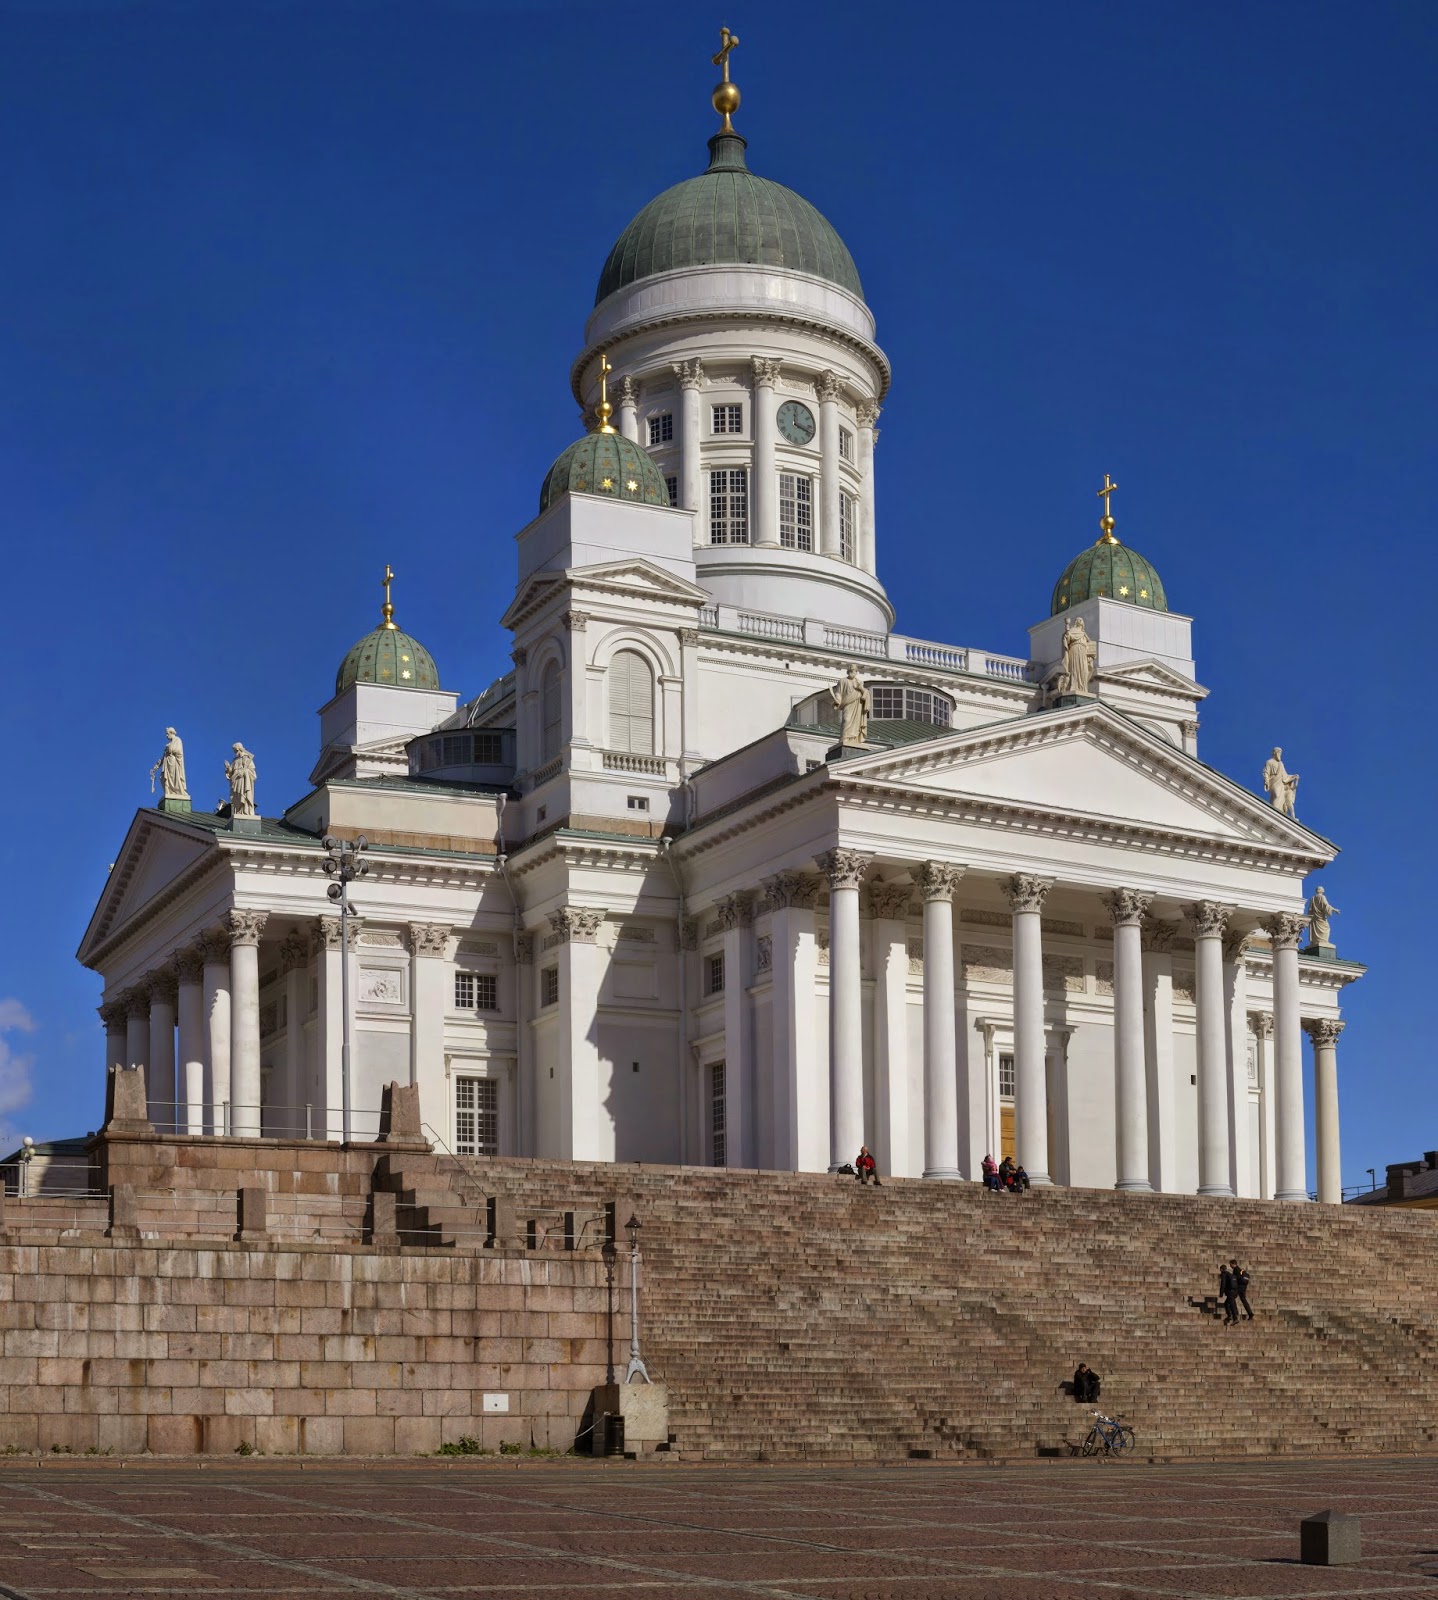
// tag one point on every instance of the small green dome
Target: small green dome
(724, 216)
(388, 656)
(605, 463)
(1113, 571)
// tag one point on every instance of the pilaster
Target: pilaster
(1026, 896)
(889, 904)
(735, 916)
(585, 1122)
(801, 1086)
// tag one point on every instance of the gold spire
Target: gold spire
(726, 94)
(1106, 520)
(388, 608)
(604, 410)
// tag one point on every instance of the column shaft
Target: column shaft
(1158, 1051)
(736, 918)
(1031, 1119)
(1130, 1075)
(113, 1016)
(890, 934)
(800, 1085)
(161, 1082)
(429, 947)
(628, 410)
(1209, 921)
(137, 1035)
(868, 437)
(829, 464)
(190, 1090)
(245, 930)
(1324, 1032)
(691, 378)
(937, 882)
(844, 869)
(764, 491)
(217, 1032)
(586, 1124)
(1291, 1158)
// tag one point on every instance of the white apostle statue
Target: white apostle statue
(1282, 785)
(241, 773)
(1079, 658)
(171, 767)
(855, 703)
(1320, 914)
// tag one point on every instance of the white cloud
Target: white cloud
(16, 1067)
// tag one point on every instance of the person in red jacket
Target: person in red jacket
(865, 1168)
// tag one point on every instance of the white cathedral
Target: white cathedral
(683, 888)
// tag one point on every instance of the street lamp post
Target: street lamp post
(636, 1361)
(343, 863)
(610, 1254)
(27, 1155)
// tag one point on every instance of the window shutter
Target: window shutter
(551, 713)
(631, 704)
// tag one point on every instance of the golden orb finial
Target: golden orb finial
(604, 410)
(387, 610)
(1106, 521)
(726, 94)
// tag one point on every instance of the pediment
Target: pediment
(634, 579)
(1153, 674)
(1085, 762)
(156, 853)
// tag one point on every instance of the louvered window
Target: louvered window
(848, 527)
(552, 712)
(631, 704)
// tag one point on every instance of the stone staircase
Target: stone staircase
(802, 1316)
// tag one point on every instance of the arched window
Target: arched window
(551, 713)
(631, 704)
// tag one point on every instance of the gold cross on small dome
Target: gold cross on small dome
(387, 610)
(1106, 521)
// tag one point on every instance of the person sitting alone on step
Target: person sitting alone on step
(1086, 1383)
(865, 1167)
(991, 1174)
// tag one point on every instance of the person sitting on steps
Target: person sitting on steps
(991, 1174)
(1019, 1180)
(865, 1167)
(1006, 1173)
(1086, 1384)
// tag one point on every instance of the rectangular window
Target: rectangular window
(718, 1154)
(728, 419)
(476, 991)
(1006, 1077)
(476, 1117)
(846, 445)
(848, 527)
(661, 429)
(714, 974)
(638, 802)
(549, 986)
(729, 506)
(671, 486)
(796, 511)
(916, 705)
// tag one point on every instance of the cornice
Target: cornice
(611, 854)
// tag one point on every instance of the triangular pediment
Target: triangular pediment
(1085, 762)
(1153, 674)
(634, 579)
(157, 852)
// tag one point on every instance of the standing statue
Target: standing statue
(1080, 655)
(241, 773)
(1320, 914)
(1282, 785)
(854, 702)
(171, 767)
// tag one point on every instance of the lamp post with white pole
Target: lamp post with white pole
(343, 864)
(636, 1361)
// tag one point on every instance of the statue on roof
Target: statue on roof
(1320, 914)
(241, 775)
(1282, 785)
(1080, 655)
(855, 703)
(171, 767)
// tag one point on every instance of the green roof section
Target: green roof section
(391, 657)
(605, 463)
(728, 216)
(1112, 571)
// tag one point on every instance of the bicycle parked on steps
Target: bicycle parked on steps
(1108, 1437)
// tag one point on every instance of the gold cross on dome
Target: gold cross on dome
(728, 41)
(1106, 521)
(388, 609)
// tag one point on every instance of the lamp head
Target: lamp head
(328, 842)
(335, 892)
(28, 1143)
(361, 843)
(632, 1229)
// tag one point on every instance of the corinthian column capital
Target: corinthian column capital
(1127, 907)
(1323, 1031)
(939, 879)
(1025, 892)
(246, 927)
(1285, 930)
(843, 868)
(1207, 918)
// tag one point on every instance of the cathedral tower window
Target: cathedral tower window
(895, 701)
(661, 429)
(846, 445)
(476, 991)
(631, 704)
(848, 527)
(796, 511)
(728, 419)
(549, 986)
(718, 1155)
(714, 974)
(476, 1117)
(551, 713)
(671, 488)
(729, 506)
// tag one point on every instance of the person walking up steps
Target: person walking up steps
(1227, 1290)
(1240, 1288)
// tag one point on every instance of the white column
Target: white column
(328, 1120)
(1209, 920)
(764, 491)
(1235, 1018)
(1128, 908)
(160, 1084)
(1262, 1022)
(137, 1033)
(586, 1122)
(294, 1089)
(628, 409)
(844, 870)
(691, 481)
(576, 680)
(1284, 931)
(868, 438)
(828, 390)
(190, 1086)
(892, 1135)
(246, 928)
(525, 1086)
(1324, 1033)
(937, 882)
(215, 947)
(1026, 896)
(113, 1017)
(801, 1086)
(735, 916)
(428, 950)
(1158, 938)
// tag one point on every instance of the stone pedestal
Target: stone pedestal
(174, 808)
(1329, 1540)
(642, 1407)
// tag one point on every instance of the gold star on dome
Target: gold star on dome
(1123, 588)
(404, 658)
(404, 674)
(632, 485)
(606, 483)
(1143, 594)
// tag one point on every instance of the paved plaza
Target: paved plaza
(1047, 1531)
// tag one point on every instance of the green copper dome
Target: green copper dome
(605, 463)
(388, 656)
(724, 216)
(1113, 571)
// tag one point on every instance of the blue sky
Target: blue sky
(292, 290)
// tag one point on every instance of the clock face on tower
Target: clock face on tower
(796, 422)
